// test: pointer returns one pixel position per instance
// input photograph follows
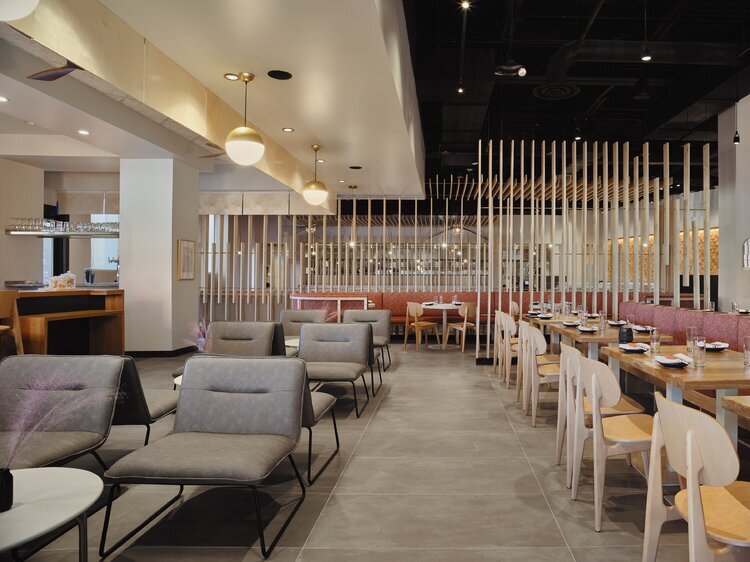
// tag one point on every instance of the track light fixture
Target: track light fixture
(736, 137)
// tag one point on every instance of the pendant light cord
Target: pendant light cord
(645, 30)
(245, 103)
(315, 166)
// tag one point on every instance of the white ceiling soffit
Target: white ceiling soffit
(230, 177)
(352, 89)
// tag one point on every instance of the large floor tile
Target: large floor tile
(435, 521)
(551, 554)
(438, 476)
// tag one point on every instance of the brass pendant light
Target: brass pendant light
(315, 192)
(244, 145)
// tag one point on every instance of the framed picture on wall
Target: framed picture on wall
(185, 260)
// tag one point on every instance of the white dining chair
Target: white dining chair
(537, 374)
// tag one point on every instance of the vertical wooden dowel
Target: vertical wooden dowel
(685, 212)
(627, 191)
(696, 267)
(573, 246)
(707, 227)
(616, 230)
(596, 251)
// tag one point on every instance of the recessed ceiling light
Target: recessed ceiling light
(231, 76)
(469, 169)
(288, 130)
(84, 132)
(355, 167)
(321, 161)
(279, 74)
(342, 181)
(475, 163)
(460, 89)
(3, 99)
(30, 123)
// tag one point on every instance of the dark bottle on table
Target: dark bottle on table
(626, 334)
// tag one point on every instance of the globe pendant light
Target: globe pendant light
(315, 192)
(12, 10)
(244, 145)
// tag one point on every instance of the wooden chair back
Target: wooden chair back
(8, 304)
(599, 383)
(413, 309)
(720, 464)
(467, 311)
(515, 310)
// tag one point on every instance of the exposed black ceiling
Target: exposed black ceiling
(698, 46)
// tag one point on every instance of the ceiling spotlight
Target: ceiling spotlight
(577, 134)
(457, 229)
(444, 245)
(3, 99)
(342, 181)
(510, 68)
(231, 76)
(244, 145)
(645, 52)
(469, 169)
(84, 132)
(320, 161)
(288, 130)
(475, 163)
(736, 137)
(352, 243)
(30, 123)
(315, 192)
(465, 5)
(460, 89)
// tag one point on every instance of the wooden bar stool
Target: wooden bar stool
(10, 324)
(467, 310)
(414, 310)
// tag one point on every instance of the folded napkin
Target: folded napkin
(616, 322)
(632, 346)
(639, 328)
(717, 345)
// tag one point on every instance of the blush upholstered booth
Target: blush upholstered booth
(237, 420)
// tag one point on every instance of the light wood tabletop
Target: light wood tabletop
(739, 405)
(593, 340)
(725, 374)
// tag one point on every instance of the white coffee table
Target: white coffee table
(292, 342)
(445, 307)
(45, 499)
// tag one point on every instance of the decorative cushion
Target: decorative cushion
(203, 458)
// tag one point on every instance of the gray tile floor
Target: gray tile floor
(442, 466)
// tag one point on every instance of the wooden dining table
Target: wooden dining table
(592, 340)
(545, 323)
(724, 373)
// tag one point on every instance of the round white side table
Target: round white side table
(445, 307)
(44, 499)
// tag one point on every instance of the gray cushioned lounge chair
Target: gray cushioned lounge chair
(237, 420)
(314, 407)
(380, 320)
(138, 406)
(337, 353)
(76, 396)
(245, 339)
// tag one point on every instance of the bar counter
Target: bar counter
(78, 321)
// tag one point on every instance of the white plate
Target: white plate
(679, 359)
(571, 324)
(716, 346)
(616, 322)
(634, 348)
(588, 329)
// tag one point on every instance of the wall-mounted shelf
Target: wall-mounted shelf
(61, 234)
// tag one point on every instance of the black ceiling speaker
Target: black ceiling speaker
(641, 91)
(556, 91)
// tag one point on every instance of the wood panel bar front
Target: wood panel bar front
(75, 320)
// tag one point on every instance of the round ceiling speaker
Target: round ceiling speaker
(556, 91)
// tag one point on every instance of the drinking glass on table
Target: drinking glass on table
(746, 342)
(655, 341)
(631, 320)
(690, 333)
(699, 352)
(602, 323)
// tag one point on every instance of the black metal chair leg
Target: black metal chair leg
(390, 361)
(148, 434)
(372, 381)
(100, 461)
(113, 490)
(310, 478)
(267, 552)
(367, 395)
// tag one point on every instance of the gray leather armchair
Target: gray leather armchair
(293, 320)
(337, 353)
(380, 320)
(65, 402)
(237, 420)
(137, 406)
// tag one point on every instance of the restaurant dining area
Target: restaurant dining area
(374, 280)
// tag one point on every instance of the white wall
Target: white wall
(21, 195)
(158, 205)
(734, 206)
